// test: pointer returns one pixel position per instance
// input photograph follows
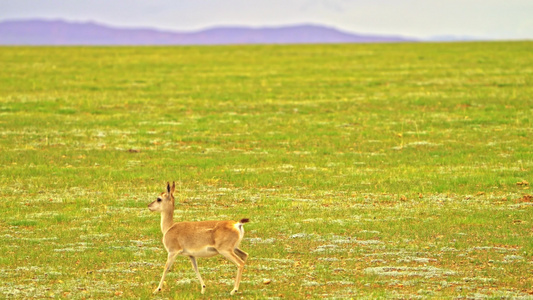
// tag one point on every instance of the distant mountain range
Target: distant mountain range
(46, 32)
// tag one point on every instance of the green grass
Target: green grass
(368, 171)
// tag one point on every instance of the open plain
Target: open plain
(367, 171)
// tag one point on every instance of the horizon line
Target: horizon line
(441, 37)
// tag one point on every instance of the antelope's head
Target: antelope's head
(165, 201)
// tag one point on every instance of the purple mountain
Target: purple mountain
(42, 32)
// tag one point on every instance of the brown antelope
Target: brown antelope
(198, 239)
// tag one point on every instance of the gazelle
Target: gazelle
(198, 239)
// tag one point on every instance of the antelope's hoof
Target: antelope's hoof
(157, 290)
(233, 292)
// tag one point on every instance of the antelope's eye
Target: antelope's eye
(158, 199)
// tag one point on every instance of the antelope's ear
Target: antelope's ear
(173, 187)
(168, 187)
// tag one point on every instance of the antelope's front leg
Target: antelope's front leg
(170, 261)
(195, 267)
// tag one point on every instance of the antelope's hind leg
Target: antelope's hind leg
(241, 254)
(234, 258)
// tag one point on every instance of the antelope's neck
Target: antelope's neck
(167, 219)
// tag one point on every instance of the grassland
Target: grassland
(368, 171)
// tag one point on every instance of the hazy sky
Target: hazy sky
(488, 19)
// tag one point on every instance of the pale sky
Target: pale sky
(485, 19)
